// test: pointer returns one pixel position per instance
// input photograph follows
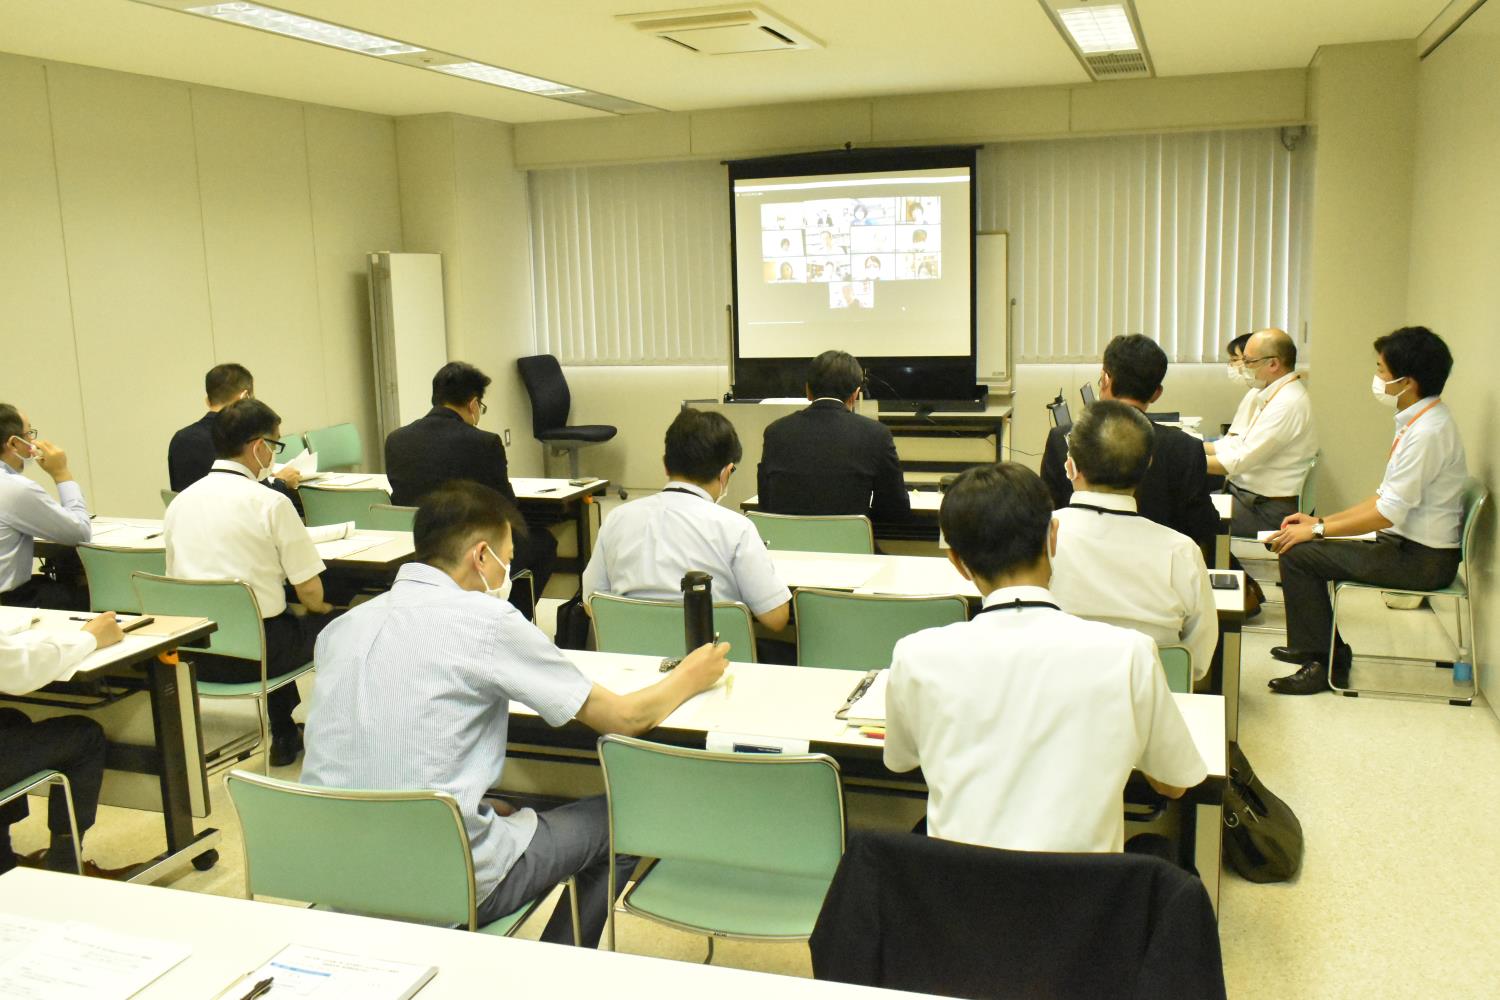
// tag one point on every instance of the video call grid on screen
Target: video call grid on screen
(877, 263)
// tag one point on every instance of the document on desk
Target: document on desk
(869, 708)
(43, 960)
(343, 548)
(305, 465)
(128, 535)
(343, 480)
(300, 971)
(1369, 536)
(827, 574)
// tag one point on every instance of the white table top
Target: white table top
(555, 490)
(136, 646)
(145, 533)
(922, 501)
(229, 937)
(799, 703)
(1224, 504)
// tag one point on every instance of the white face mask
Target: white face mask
(265, 472)
(1378, 387)
(1235, 373)
(502, 592)
(27, 451)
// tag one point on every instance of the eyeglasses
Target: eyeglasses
(482, 408)
(276, 446)
(1254, 361)
(30, 435)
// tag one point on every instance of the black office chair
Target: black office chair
(1087, 392)
(550, 403)
(1059, 410)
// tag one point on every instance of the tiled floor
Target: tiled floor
(1399, 895)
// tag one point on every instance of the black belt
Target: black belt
(1017, 605)
(1259, 496)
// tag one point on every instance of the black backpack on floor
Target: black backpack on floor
(1262, 836)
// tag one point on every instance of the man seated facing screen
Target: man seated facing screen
(1417, 513)
(414, 690)
(1027, 721)
(190, 453)
(646, 546)
(1112, 565)
(226, 526)
(827, 459)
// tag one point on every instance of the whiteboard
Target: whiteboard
(992, 361)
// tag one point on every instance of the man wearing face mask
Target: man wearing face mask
(646, 546)
(1416, 512)
(227, 526)
(1267, 461)
(415, 690)
(27, 512)
(1237, 374)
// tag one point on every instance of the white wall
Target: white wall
(153, 229)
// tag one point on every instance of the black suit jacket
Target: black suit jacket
(190, 455)
(439, 447)
(1174, 491)
(827, 460)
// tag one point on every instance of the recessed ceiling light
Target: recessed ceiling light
(306, 28)
(1099, 28)
(485, 73)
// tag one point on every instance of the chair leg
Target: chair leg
(263, 719)
(709, 960)
(67, 788)
(573, 904)
(609, 909)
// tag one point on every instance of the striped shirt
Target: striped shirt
(413, 692)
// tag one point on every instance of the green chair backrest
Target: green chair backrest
(327, 506)
(167, 496)
(384, 517)
(326, 846)
(1307, 496)
(1475, 497)
(230, 604)
(859, 631)
(1177, 661)
(628, 625)
(791, 533)
(292, 445)
(337, 447)
(765, 812)
(108, 571)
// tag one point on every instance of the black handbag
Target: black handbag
(1262, 836)
(573, 624)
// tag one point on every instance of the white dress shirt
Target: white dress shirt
(414, 690)
(36, 657)
(28, 512)
(1422, 493)
(227, 526)
(1027, 723)
(1127, 570)
(1271, 455)
(646, 546)
(1242, 414)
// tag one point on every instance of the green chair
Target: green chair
(108, 571)
(1177, 661)
(385, 517)
(1462, 590)
(49, 777)
(167, 496)
(292, 445)
(1307, 496)
(321, 845)
(630, 625)
(793, 533)
(859, 631)
(240, 634)
(744, 845)
(337, 447)
(329, 506)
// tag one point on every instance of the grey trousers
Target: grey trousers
(571, 841)
(1253, 512)
(1389, 561)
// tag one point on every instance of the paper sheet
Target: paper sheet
(343, 548)
(40, 960)
(305, 465)
(344, 480)
(328, 532)
(870, 708)
(830, 574)
(1369, 536)
(300, 971)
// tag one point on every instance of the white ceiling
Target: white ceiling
(873, 47)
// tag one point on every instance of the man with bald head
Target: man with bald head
(1267, 461)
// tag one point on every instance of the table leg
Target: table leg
(1230, 644)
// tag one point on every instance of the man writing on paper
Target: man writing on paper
(827, 459)
(1027, 721)
(71, 744)
(28, 512)
(190, 454)
(228, 527)
(1112, 565)
(1417, 513)
(1267, 461)
(447, 445)
(414, 691)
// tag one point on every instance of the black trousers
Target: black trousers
(1253, 512)
(71, 744)
(537, 551)
(1389, 561)
(44, 592)
(289, 644)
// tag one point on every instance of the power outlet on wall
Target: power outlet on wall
(507, 437)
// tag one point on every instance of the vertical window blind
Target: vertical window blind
(1189, 238)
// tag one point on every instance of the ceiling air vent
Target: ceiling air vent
(726, 30)
(1105, 35)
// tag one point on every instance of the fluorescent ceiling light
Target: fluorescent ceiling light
(1099, 28)
(485, 73)
(296, 26)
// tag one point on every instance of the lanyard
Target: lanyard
(679, 489)
(1105, 510)
(1267, 404)
(230, 472)
(1017, 605)
(1421, 413)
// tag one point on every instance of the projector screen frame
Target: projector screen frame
(905, 378)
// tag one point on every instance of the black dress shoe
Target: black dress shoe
(1311, 679)
(285, 748)
(1286, 654)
